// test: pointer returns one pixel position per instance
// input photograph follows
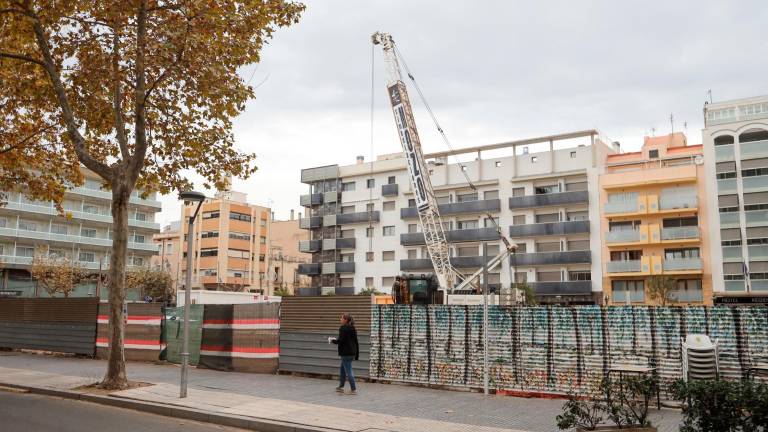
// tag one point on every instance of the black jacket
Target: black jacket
(347, 341)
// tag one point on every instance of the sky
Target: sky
(492, 71)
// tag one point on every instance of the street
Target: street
(23, 412)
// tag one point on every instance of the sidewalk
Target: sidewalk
(304, 401)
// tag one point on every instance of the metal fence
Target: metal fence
(142, 331)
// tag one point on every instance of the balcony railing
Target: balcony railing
(732, 253)
(756, 217)
(88, 265)
(310, 200)
(97, 217)
(309, 245)
(309, 269)
(564, 288)
(550, 228)
(680, 233)
(65, 238)
(389, 189)
(351, 218)
(479, 206)
(310, 222)
(754, 149)
(735, 285)
(100, 193)
(678, 264)
(755, 183)
(729, 218)
(622, 236)
(340, 243)
(550, 199)
(331, 196)
(544, 258)
(425, 264)
(757, 252)
(338, 267)
(453, 236)
(308, 291)
(614, 207)
(669, 201)
(724, 153)
(623, 266)
(726, 186)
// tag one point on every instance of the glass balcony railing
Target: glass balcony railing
(623, 266)
(100, 193)
(757, 252)
(680, 233)
(726, 186)
(613, 207)
(76, 214)
(735, 285)
(756, 217)
(754, 149)
(755, 184)
(10, 259)
(732, 253)
(724, 153)
(622, 236)
(678, 264)
(729, 218)
(678, 201)
(759, 284)
(66, 238)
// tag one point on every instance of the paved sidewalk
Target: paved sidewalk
(288, 397)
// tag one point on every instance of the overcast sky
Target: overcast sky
(492, 71)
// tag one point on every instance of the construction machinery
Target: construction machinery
(410, 288)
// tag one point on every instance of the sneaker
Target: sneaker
(339, 389)
(353, 392)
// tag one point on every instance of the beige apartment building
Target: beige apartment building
(231, 245)
(168, 250)
(285, 255)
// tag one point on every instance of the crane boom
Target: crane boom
(426, 203)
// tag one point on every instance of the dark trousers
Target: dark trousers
(345, 372)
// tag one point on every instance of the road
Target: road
(24, 412)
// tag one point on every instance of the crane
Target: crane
(426, 203)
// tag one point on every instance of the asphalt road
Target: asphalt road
(24, 412)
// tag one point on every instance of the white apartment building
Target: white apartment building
(543, 193)
(85, 237)
(736, 159)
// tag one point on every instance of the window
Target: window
(57, 229)
(347, 257)
(653, 154)
(87, 256)
(211, 252)
(573, 155)
(632, 255)
(92, 209)
(413, 228)
(627, 291)
(240, 216)
(388, 256)
(348, 233)
(491, 194)
(141, 216)
(539, 190)
(138, 261)
(369, 232)
(169, 249)
(3, 222)
(263, 222)
(467, 251)
(688, 290)
(466, 197)
(262, 240)
(411, 202)
(370, 183)
(347, 209)
(547, 217)
(369, 282)
(211, 215)
(56, 253)
(463, 167)
(681, 222)
(25, 251)
(262, 258)
(209, 234)
(369, 207)
(580, 275)
(445, 199)
(391, 180)
(522, 248)
(623, 197)
(237, 236)
(139, 238)
(88, 232)
(388, 206)
(518, 220)
(534, 159)
(412, 253)
(623, 225)
(238, 253)
(348, 186)
(578, 215)
(491, 222)
(387, 282)
(518, 191)
(388, 231)
(468, 224)
(497, 164)
(27, 225)
(369, 256)
(208, 272)
(686, 253)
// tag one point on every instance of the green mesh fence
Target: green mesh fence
(173, 331)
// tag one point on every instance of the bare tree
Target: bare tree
(56, 274)
(661, 289)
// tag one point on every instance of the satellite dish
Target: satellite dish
(698, 160)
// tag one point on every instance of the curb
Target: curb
(260, 425)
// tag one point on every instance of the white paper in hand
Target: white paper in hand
(331, 339)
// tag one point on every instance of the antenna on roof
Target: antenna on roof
(653, 131)
(709, 93)
(672, 122)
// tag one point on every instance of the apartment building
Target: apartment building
(736, 159)
(285, 255)
(168, 250)
(231, 245)
(85, 237)
(655, 222)
(543, 192)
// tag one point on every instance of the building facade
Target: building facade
(736, 158)
(655, 222)
(286, 257)
(168, 250)
(543, 193)
(231, 247)
(84, 237)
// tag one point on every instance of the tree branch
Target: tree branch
(140, 149)
(21, 57)
(78, 141)
(24, 140)
(117, 97)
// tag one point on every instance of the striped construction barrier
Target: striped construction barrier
(142, 340)
(241, 337)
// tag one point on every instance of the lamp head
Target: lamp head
(192, 196)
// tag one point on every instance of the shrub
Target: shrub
(723, 406)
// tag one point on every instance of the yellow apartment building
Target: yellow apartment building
(168, 250)
(654, 222)
(231, 245)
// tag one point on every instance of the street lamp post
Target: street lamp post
(191, 197)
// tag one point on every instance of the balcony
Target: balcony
(550, 228)
(309, 269)
(547, 200)
(756, 217)
(309, 245)
(107, 195)
(681, 233)
(308, 291)
(338, 267)
(545, 258)
(453, 236)
(674, 201)
(20, 260)
(310, 200)
(339, 243)
(425, 264)
(564, 288)
(623, 236)
(310, 222)
(351, 218)
(755, 183)
(755, 149)
(332, 196)
(93, 217)
(758, 252)
(65, 238)
(732, 254)
(633, 266)
(729, 219)
(618, 207)
(724, 153)
(468, 207)
(726, 186)
(327, 172)
(735, 286)
(389, 189)
(415, 265)
(682, 264)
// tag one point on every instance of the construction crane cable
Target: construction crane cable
(370, 190)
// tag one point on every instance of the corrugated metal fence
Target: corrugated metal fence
(142, 331)
(554, 349)
(53, 324)
(306, 324)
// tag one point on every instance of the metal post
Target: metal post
(485, 318)
(187, 300)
